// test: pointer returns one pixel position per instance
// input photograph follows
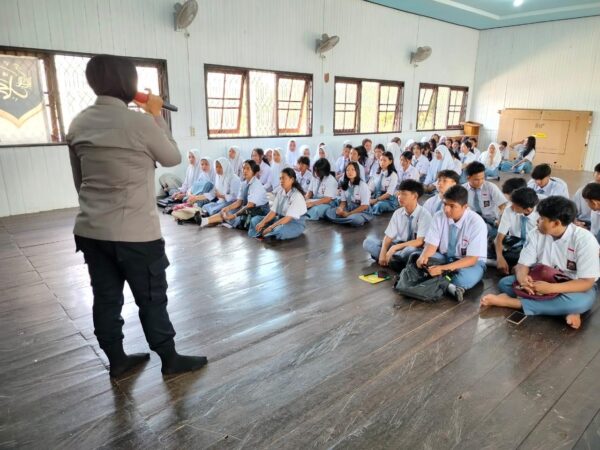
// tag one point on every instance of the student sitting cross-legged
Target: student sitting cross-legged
(560, 244)
(323, 190)
(457, 236)
(584, 213)
(544, 184)
(445, 180)
(518, 220)
(354, 208)
(383, 185)
(285, 220)
(405, 233)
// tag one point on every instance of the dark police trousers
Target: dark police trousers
(142, 265)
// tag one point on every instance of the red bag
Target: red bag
(540, 272)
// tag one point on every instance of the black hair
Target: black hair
(348, 145)
(529, 146)
(524, 197)
(454, 154)
(365, 140)
(433, 143)
(504, 143)
(597, 168)
(448, 140)
(381, 147)
(391, 168)
(304, 160)
(591, 191)
(261, 153)
(412, 186)
(541, 171)
(346, 181)
(322, 168)
(255, 168)
(292, 174)
(559, 208)
(397, 140)
(425, 146)
(450, 174)
(473, 139)
(468, 144)
(114, 76)
(512, 184)
(474, 168)
(457, 194)
(407, 155)
(362, 154)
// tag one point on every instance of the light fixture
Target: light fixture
(517, 3)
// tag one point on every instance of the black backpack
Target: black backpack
(418, 284)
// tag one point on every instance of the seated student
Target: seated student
(474, 148)
(227, 186)
(379, 150)
(304, 151)
(485, 198)
(407, 171)
(466, 157)
(285, 219)
(265, 169)
(591, 195)
(291, 155)
(235, 159)
(504, 150)
(251, 201)
(202, 191)
(457, 236)
(303, 174)
(583, 210)
(405, 234)
(320, 153)
(457, 163)
(367, 144)
(446, 179)
(277, 166)
(192, 173)
(383, 186)
(518, 220)
(269, 155)
(357, 157)
(322, 192)
(395, 150)
(354, 208)
(420, 162)
(343, 160)
(525, 154)
(491, 159)
(560, 244)
(442, 160)
(545, 185)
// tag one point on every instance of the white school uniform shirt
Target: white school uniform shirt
(457, 166)
(361, 194)
(304, 180)
(555, 186)
(505, 153)
(256, 192)
(411, 173)
(434, 204)
(575, 253)
(290, 204)
(397, 229)
(422, 165)
(477, 153)
(471, 237)
(510, 222)
(583, 210)
(230, 191)
(361, 169)
(490, 199)
(374, 169)
(340, 164)
(265, 173)
(388, 182)
(328, 187)
(467, 158)
(292, 157)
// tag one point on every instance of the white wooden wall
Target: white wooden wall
(553, 65)
(263, 34)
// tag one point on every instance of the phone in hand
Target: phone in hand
(516, 317)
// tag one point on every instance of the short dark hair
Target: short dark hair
(365, 140)
(597, 168)
(541, 171)
(457, 194)
(255, 168)
(524, 197)
(474, 168)
(504, 143)
(380, 146)
(396, 139)
(322, 168)
(467, 144)
(558, 208)
(304, 160)
(407, 155)
(473, 139)
(450, 174)
(412, 186)
(591, 191)
(349, 145)
(512, 184)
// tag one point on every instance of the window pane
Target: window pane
(339, 121)
(214, 84)
(441, 110)
(233, 85)
(369, 106)
(262, 104)
(349, 121)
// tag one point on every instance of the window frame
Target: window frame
(435, 87)
(308, 89)
(359, 81)
(57, 126)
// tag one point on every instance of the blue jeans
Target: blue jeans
(355, 220)
(525, 166)
(492, 173)
(390, 204)
(318, 212)
(215, 207)
(373, 247)
(465, 278)
(563, 305)
(290, 230)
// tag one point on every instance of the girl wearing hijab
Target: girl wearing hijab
(277, 166)
(285, 219)
(227, 186)
(354, 208)
(383, 186)
(113, 152)
(323, 190)
(259, 158)
(291, 155)
(191, 175)
(491, 159)
(269, 155)
(442, 160)
(320, 153)
(235, 160)
(201, 192)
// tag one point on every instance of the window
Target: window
(257, 103)
(441, 107)
(367, 106)
(41, 92)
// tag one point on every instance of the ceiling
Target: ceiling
(485, 14)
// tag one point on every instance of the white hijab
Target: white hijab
(236, 162)
(291, 157)
(193, 171)
(211, 175)
(408, 144)
(446, 163)
(424, 139)
(223, 182)
(485, 156)
(276, 168)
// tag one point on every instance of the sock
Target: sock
(120, 362)
(173, 362)
(451, 289)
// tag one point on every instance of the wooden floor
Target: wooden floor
(302, 353)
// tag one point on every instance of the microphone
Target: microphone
(142, 97)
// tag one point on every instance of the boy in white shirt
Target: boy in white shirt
(457, 236)
(583, 210)
(545, 185)
(591, 195)
(560, 244)
(445, 180)
(303, 174)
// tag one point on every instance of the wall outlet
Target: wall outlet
(192, 131)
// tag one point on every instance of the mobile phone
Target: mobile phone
(516, 317)
(382, 274)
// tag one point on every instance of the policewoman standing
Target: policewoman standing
(113, 153)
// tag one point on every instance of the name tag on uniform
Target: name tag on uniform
(486, 203)
(571, 265)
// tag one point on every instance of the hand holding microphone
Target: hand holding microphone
(151, 103)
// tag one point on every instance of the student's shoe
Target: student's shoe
(198, 218)
(459, 295)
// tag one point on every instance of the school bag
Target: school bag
(541, 272)
(418, 284)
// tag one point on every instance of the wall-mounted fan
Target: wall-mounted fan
(185, 14)
(326, 43)
(420, 55)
